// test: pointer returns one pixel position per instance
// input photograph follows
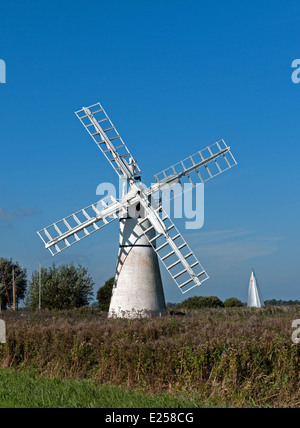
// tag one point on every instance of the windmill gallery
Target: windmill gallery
(147, 233)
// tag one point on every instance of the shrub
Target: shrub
(63, 287)
(198, 302)
(233, 302)
(104, 295)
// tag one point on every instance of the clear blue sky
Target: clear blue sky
(175, 76)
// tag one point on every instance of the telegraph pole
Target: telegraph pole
(14, 289)
(40, 287)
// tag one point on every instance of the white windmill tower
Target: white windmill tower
(146, 231)
(255, 299)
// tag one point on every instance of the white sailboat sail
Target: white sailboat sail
(254, 297)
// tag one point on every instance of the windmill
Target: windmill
(255, 299)
(146, 230)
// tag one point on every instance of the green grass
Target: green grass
(24, 390)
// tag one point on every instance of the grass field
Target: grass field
(24, 390)
(235, 357)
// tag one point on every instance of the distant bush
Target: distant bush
(63, 287)
(104, 295)
(233, 302)
(274, 302)
(198, 302)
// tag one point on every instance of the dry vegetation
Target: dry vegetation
(237, 356)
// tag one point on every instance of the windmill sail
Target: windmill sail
(109, 141)
(255, 299)
(195, 169)
(72, 229)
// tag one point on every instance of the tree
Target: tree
(63, 287)
(104, 295)
(275, 302)
(7, 266)
(197, 302)
(233, 302)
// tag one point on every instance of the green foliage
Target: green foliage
(198, 302)
(25, 390)
(63, 287)
(274, 302)
(233, 302)
(104, 295)
(20, 282)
